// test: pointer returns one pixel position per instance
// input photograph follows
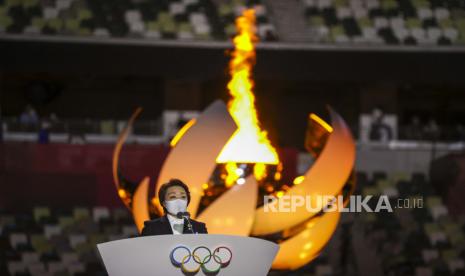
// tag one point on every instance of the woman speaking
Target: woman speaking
(174, 196)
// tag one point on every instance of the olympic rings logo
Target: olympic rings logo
(201, 257)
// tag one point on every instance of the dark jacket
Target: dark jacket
(161, 226)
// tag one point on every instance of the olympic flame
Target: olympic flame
(249, 144)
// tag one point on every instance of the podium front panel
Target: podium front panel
(179, 254)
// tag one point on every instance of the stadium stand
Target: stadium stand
(59, 242)
(413, 241)
(407, 22)
(180, 19)
(422, 22)
(229, 10)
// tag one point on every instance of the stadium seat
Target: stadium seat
(408, 22)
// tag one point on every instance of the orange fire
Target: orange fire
(249, 144)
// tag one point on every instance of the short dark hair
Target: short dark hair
(171, 183)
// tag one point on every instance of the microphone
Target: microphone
(183, 215)
(186, 216)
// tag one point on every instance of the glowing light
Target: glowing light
(310, 224)
(308, 245)
(122, 193)
(280, 194)
(239, 171)
(298, 180)
(322, 122)
(181, 132)
(205, 186)
(259, 171)
(232, 176)
(241, 181)
(249, 144)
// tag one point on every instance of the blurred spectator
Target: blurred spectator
(270, 36)
(29, 116)
(44, 132)
(432, 130)
(77, 139)
(379, 130)
(53, 118)
(54, 121)
(414, 129)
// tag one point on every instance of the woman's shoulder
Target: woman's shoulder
(199, 227)
(197, 222)
(153, 221)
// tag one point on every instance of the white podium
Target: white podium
(196, 254)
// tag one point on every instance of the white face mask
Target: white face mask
(176, 205)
